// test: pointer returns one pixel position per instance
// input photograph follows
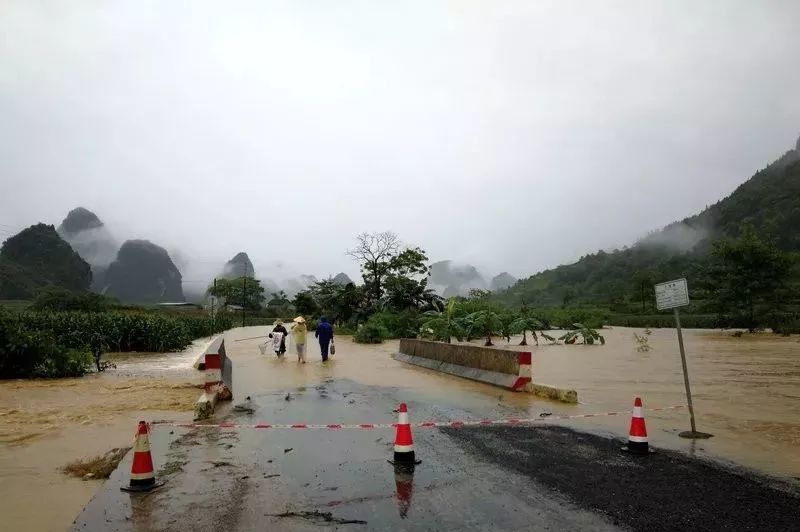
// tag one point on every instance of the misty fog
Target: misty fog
(511, 136)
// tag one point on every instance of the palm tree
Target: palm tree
(524, 324)
(484, 323)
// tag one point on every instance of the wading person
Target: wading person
(299, 337)
(278, 335)
(325, 334)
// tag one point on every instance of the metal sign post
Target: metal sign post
(675, 294)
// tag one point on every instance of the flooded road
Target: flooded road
(329, 479)
(45, 424)
(746, 390)
(746, 393)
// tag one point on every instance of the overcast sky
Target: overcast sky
(511, 135)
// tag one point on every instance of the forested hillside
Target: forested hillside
(622, 280)
(38, 257)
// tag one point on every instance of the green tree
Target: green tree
(484, 323)
(278, 304)
(643, 281)
(443, 325)
(526, 323)
(304, 303)
(243, 291)
(746, 277)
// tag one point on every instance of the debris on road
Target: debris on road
(320, 517)
(97, 467)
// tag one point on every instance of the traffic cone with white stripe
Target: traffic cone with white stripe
(637, 435)
(143, 477)
(403, 442)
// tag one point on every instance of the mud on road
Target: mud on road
(662, 492)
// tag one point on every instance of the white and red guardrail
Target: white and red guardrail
(422, 425)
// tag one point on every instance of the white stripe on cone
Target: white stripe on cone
(403, 448)
(402, 418)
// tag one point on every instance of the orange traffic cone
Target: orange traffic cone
(403, 442)
(637, 436)
(143, 477)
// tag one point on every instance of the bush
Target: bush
(27, 353)
(403, 324)
(371, 333)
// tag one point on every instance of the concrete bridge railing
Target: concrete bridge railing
(509, 369)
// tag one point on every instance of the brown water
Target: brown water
(747, 393)
(746, 390)
(45, 424)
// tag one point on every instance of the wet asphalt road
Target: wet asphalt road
(328, 479)
(484, 478)
(661, 492)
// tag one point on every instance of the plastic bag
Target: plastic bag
(333, 348)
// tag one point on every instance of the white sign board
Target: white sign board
(672, 294)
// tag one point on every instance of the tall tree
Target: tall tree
(643, 281)
(374, 252)
(236, 290)
(746, 277)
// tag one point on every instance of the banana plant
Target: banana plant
(523, 324)
(483, 323)
(588, 335)
(443, 325)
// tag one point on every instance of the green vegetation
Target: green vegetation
(739, 255)
(746, 278)
(36, 258)
(525, 323)
(371, 333)
(585, 334)
(242, 291)
(57, 344)
(443, 326)
(483, 323)
(58, 299)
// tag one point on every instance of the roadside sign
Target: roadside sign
(672, 294)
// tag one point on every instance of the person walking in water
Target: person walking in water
(278, 336)
(325, 334)
(299, 336)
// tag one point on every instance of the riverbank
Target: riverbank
(45, 424)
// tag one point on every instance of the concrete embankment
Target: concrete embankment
(507, 369)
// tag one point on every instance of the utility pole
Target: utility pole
(244, 293)
(213, 296)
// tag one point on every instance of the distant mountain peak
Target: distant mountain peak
(502, 281)
(342, 278)
(238, 266)
(77, 220)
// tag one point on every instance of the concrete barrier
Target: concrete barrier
(218, 379)
(501, 367)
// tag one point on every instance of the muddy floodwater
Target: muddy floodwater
(746, 391)
(45, 424)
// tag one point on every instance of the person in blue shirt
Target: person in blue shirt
(325, 334)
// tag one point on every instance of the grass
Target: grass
(98, 467)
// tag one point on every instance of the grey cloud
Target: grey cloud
(512, 136)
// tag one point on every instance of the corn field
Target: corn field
(123, 331)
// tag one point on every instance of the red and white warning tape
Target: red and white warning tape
(424, 424)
